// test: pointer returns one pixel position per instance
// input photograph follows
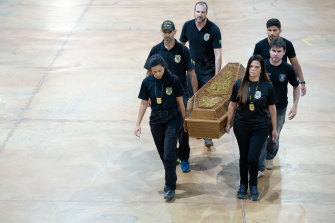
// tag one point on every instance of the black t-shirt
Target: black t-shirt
(261, 98)
(178, 59)
(263, 48)
(154, 88)
(202, 43)
(280, 77)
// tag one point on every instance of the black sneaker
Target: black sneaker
(169, 195)
(242, 191)
(254, 195)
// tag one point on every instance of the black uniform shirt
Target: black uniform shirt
(154, 88)
(265, 96)
(263, 48)
(202, 43)
(280, 77)
(178, 59)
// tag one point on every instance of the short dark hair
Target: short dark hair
(201, 3)
(273, 22)
(278, 42)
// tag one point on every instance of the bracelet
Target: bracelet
(303, 82)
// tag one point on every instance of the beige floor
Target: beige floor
(70, 72)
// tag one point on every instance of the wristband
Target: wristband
(303, 82)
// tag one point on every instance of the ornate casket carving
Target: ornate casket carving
(206, 113)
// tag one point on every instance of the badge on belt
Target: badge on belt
(159, 101)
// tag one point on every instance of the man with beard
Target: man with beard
(263, 47)
(280, 74)
(205, 46)
(178, 59)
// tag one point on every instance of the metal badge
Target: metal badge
(159, 101)
(251, 107)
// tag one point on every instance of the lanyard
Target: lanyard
(251, 104)
(255, 90)
(158, 100)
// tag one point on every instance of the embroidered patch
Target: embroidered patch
(168, 90)
(177, 58)
(282, 77)
(206, 36)
(258, 94)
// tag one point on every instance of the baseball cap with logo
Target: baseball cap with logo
(167, 24)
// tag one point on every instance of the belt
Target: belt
(203, 63)
(164, 112)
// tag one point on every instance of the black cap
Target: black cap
(167, 24)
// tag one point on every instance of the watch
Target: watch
(303, 82)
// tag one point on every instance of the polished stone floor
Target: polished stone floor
(70, 72)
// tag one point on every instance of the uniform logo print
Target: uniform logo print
(168, 91)
(258, 94)
(177, 58)
(206, 36)
(282, 77)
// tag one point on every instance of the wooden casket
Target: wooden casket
(206, 112)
